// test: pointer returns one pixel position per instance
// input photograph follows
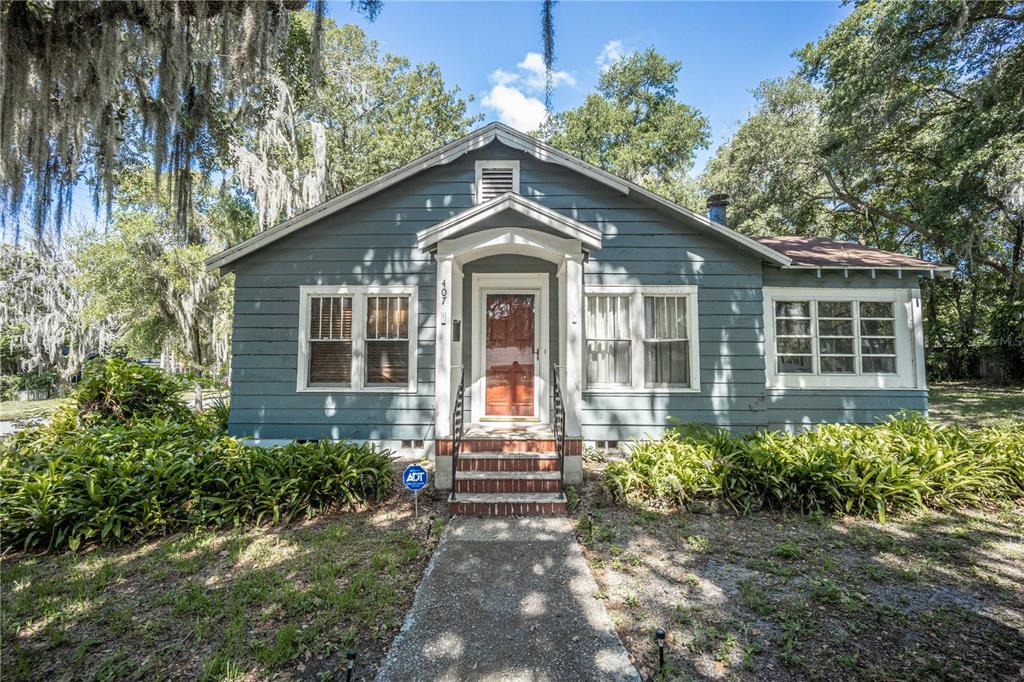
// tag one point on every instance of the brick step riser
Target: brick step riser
(507, 485)
(501, 445)
(507, 508)
(495, 464)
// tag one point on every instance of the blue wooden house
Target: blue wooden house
(498, 302)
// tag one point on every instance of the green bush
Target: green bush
(156, 476)
(115, 390)
(125, 458)
(907, 463)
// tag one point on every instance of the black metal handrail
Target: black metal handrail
(558, 418)
(458, 425)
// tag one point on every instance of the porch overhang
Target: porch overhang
(476, 217)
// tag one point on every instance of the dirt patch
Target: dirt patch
(252, 604)
(773, 596)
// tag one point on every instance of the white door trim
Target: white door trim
(511, 283)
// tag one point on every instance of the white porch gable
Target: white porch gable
(470, 218)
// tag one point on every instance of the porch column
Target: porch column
(572, 285)
(443, 348)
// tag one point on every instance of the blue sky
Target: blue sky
(726, 48)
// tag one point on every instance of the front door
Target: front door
(510, 354)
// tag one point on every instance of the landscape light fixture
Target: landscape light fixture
(350, 664)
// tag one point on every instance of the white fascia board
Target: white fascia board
(530, 209)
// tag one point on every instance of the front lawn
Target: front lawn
(780, 596)
(17, 410)
(245, 604)
(976, 404)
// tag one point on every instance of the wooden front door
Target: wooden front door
(510, 354)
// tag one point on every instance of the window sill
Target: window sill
(629, 390)
(894, 384)
(356, 391)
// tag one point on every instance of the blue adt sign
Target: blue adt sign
(414, 477)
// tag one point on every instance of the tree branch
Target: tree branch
(971, 254)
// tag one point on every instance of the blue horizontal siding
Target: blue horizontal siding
(374, 242)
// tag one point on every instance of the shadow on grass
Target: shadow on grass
(775, 596)
(210, 605)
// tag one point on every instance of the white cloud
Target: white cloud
(512, 93)
(612, 51)
(514, 108)
(503, 77)
(536, 76)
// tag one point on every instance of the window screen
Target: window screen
(877, 337)
(849, 337)
(387, 340)
(793, 337)
(608, 341)
(836, 352)
(330, 340)
(666, 344)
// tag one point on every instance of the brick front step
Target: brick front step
(537, 504)
(507, 445)
(500, 461)
(507, 482)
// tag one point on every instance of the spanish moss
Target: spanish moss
(88, 85)
(547, 28)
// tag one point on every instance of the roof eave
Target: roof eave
(940, 270)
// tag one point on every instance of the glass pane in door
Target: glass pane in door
(509, 355)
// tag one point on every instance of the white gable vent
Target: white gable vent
(494, 178)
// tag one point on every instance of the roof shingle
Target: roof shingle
(822, 252)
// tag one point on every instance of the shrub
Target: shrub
(157, 475)
(124, 457)
(906, 463)
(115, 390)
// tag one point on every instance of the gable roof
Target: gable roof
(475, 140)
(563, 225)
(819, 252)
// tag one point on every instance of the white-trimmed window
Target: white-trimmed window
(838, 338)
(496, 177)
(641, 339)
(608, 340)
(357, 338)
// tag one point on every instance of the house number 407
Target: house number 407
(444, 291)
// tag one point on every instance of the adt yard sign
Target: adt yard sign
(415, 477)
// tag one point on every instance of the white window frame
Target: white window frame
(636, 295)
(908, 329)
(359, 295)
(495, 163)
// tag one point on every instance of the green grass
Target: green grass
(975, 404)
(16, 410)
(216, 605)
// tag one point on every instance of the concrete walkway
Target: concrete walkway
(507, 599)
